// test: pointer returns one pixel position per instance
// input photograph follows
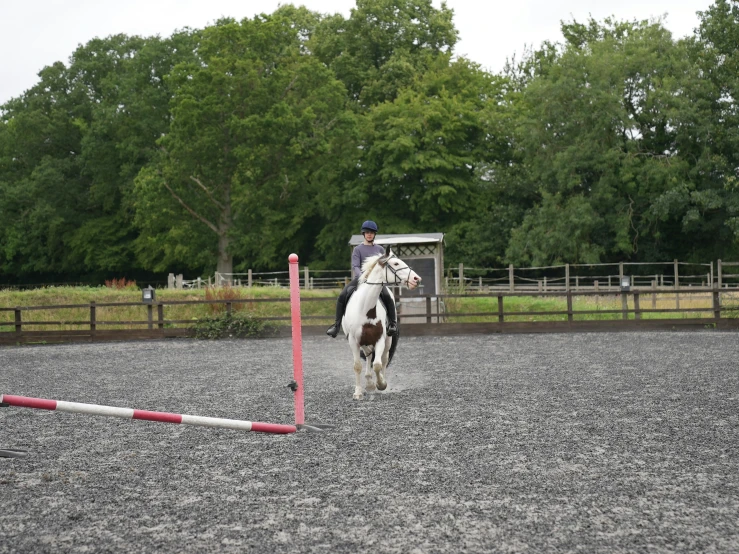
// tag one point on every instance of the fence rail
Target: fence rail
(674, 274)
(434, 318)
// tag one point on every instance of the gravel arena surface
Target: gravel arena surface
(623, 442)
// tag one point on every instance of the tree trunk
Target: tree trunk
(225, 258)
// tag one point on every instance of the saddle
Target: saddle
(350, 290)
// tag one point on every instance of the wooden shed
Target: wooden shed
(424, 252)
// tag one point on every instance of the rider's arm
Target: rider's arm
(356, 262)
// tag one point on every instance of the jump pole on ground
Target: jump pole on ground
(130, 413)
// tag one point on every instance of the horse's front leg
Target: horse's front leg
(369, 379)
(382, 349)
(358, 390)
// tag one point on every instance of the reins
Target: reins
(394, 271)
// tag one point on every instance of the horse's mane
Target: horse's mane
(367, 267)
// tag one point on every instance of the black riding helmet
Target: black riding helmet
(369, 226)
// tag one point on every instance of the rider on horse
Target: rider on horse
(362, 252)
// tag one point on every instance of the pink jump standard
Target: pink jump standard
(129, 413)
(297, 333)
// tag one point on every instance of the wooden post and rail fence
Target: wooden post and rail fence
(511, 278)
(436, 319)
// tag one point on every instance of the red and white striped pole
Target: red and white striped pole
(128, 413)
(297, 339)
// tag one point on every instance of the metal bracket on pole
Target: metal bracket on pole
(315, 427)
(293, 386)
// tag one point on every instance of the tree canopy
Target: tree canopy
(228, 147)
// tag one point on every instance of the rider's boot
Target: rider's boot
(334, 329)
(392, 313)
(340, 306)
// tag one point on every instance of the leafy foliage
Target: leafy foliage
(237, 326)
(231, 146)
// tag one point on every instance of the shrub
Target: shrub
(223, 293)
(237, 326)
(120, 284)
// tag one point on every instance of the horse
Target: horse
(365, 318)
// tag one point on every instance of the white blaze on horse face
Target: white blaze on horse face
(403, 274)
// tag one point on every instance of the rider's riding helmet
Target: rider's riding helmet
(369, 226)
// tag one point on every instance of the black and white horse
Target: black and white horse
(365, 319)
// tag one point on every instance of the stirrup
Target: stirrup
(333, 330)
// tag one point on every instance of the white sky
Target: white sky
(36, 33)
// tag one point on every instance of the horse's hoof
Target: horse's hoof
(358, 396)
(381, 386)
(371, 386)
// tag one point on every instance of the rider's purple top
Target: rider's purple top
(362, 252)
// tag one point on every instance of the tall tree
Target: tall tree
(384, 45)
(606, 127)
(254, 121)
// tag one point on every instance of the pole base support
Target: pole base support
(9, 453)
(315, 427)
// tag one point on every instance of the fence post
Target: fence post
(150, 315)
(545, 283)
(677, 276)
(637, 310)
(501, 317)
(170, 281)
(479, 283)
(711, 273)
(461, 277)
(624, 306)
(160, 315)
(620, 273)
(178, 282)
(609, 282)
(428, 309)
(577, 282)
(654, 294)
(511, 283)
(716, 305)
(569, 306)
(596, 285)
(567, 277)
(18, 322)
(228, 308)
(93, 325)
(719, 270)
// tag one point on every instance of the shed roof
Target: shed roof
(418, 238)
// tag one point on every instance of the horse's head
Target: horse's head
(396, 270)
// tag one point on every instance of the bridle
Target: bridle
(394, 271)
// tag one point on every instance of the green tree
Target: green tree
(254, 122)
(609, 127)
(384, 45)
(40, 189)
